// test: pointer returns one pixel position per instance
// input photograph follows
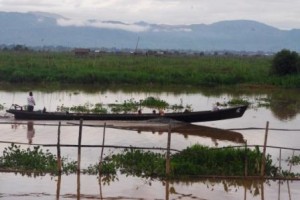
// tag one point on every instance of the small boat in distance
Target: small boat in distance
(189, 117)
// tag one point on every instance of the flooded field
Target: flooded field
(284, 131)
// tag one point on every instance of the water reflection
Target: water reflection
(186, 130)
(254, 187)
(174, 188)
(285, 108)
(30, 131)
(64, 187)
(202, 188)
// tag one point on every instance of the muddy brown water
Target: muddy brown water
(284, 132)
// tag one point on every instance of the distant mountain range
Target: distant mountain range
(46, 29)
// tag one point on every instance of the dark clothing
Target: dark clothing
(30, 108)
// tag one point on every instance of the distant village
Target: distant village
(126, 51)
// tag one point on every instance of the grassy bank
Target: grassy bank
(66, 68)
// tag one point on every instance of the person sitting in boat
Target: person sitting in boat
(30, 102)
(140, 111)
(161, 112)
(216, 106)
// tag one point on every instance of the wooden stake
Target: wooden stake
(58, 149)
(168, 152)
(103, 141)
(58, 186)
(100, 162)
(246, 160)
(58, 163)
(280, 159)
(167, 189)
(263, 163)
(290, 163)
(262, 191)
(279, 181)
(79, 146)
(79, 159)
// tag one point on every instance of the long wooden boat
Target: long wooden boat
(190, 117)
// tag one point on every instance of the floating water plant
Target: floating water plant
(1, 107)
(194, 161)
(127, 106)
(33, 160)
(294, 160)
(152, 102)
(238, 102)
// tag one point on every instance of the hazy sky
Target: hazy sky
(283, 14)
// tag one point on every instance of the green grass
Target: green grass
(65, 68)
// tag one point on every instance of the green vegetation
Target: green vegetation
(1, 107)
(127, 106)
(201, 160)
(65, 68)
(87, 108)
(140, 163)
(152, 102)
(236, 101)
(286, 62)
(32, 161)
(294, 160)
(193, 161)
(130, 105)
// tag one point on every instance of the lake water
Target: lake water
(283, 114)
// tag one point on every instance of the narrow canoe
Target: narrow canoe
(190, 117)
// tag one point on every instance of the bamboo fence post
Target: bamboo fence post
(168, 162)
(79, 146)
(103, 141)
(262, 191)
(246, 160)
(263, 163)
(168, 151)
(290, 163)
(245, 192)
(280, 158)
(58, 149)
(100, 162)
(79, 159)
(58, 187)
(279, 181)
(289, 190)
(58, 163)
(167, 190)
(288, 185)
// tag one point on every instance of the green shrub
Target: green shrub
(33, 160)
(285, 62)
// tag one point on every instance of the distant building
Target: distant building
(81, 52)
